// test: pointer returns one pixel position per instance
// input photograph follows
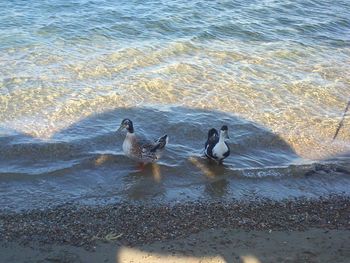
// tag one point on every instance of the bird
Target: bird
(138, 148)
(215, 147)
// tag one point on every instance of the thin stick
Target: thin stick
(342, 120)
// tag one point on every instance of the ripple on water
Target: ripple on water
(276, 72)
(89, 153)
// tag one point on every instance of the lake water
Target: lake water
(275, 72)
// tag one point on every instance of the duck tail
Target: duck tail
(160, 143)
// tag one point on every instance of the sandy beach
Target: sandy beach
(263, 231)
(215, 245)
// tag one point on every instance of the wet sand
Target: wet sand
(297, 230)
(214, 245)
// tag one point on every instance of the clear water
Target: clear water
(277, 73)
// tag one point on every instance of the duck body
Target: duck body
(216, 148)
(141, 149)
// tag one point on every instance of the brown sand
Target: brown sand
(214, 245)
(298, 230)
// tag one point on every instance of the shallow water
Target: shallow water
(275, 73)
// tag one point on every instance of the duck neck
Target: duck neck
(222, 137)
(130, 134)
(130, 129)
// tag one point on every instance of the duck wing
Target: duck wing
(212, 137)
(211, 141)
(210, 144)
(227, 153)
(144, 144)
(148, 148)
(160, 143)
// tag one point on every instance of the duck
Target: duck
(140, 149)
(215, 147)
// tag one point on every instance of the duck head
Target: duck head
(224, 132)
(126, 124)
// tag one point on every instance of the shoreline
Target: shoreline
(134, 224)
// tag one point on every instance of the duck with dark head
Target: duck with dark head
(216, 147)
(139, 148)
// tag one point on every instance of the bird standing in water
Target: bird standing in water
(216, 147)
(140, 149)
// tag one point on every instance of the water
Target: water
(277, 73)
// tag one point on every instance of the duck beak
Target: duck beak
(120, 128)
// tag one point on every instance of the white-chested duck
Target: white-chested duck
(140, 149)
(216, 147)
